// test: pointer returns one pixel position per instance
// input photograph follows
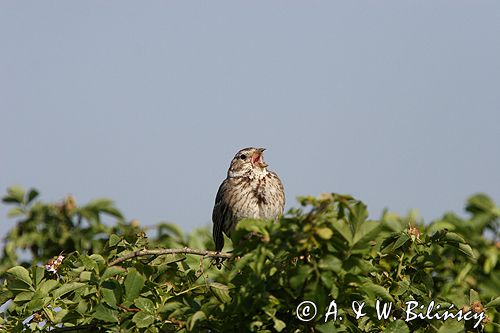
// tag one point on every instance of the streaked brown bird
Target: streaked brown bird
(249, 191)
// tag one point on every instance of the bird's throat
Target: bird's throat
(254, 173)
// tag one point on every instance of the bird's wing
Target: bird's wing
(219, 215)
(281, 197)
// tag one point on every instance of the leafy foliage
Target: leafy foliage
(325, 250)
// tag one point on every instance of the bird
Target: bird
(249, 191)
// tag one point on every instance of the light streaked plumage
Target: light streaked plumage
(249, 191)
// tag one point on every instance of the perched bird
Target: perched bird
(249, 191)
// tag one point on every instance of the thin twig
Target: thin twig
(157, 252)
(125, 309)
(87, 328)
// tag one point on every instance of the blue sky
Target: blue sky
(394, 102)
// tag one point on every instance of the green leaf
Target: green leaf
(143, 319)
(113, 271)
(344, 229)
(494, 303)
(198, 316)
(473, 296)
(327, 327)
(403, 238)
(300, 278)
(491, 260)
(49, 313)
(374, 291)
(114, 239)
(251, 225)
(18, 285)
(479, 203)
(24, 296)
(47, 286)
(171, 307)
(465, 248)
(93, 262)
(21, 273)
(279, 325)
(134, 282)
(67, 288)
(60, 315)
(5, 296)
(38, 274)
(366, 233)
(98, 259)
(103, 205)
(15, 194)
(220, 291)
(109, 297)
(389, 241)
(325, 233)
(105, 314)
(145, 304)
(35, 304)
(397, 326)
(331, 263)
(88, 263)
(15, 211)
(454, 237)
(168, 228)
(32, 194)
(85, 276)
(452, 326)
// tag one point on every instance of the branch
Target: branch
(125, 309)
(157, 252)
(74, 328)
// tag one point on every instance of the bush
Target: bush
(64, 269)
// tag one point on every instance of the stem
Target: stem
(400, 266)
(157, 252)
(74, 328)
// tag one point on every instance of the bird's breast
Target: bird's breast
(257, 197)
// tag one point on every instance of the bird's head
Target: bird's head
(247, 160)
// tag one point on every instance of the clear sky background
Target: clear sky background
(394, 102)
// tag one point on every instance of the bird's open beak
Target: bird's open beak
(257, 158)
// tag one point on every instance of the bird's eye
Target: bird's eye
(243, 156)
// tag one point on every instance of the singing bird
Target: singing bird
(249, 191)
